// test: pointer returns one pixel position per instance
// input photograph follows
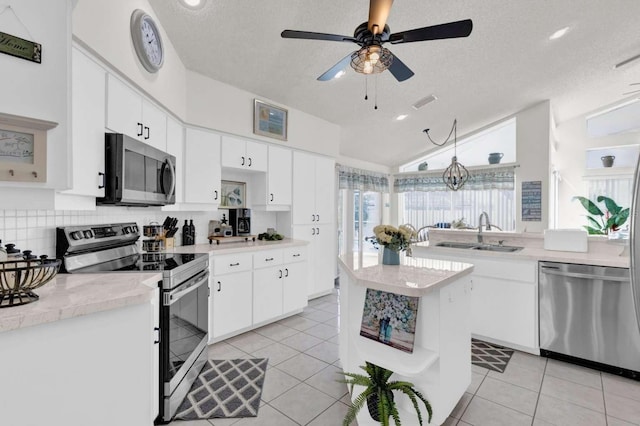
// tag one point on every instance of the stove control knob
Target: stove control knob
(76, 235)
(88, 234)
(134, 228)
(125, 230)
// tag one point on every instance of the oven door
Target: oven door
(184, 325)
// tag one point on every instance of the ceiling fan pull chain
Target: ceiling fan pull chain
(366, 88)
(375, 94)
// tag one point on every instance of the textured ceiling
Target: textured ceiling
(507, 63)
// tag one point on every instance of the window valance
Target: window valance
(363, 180)
(480, 178)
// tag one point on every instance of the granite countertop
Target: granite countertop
(238, 246)
(74, 295)
(602, 252)
(413, 277)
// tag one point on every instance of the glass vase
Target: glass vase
(390, 257)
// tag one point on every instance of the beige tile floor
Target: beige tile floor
(301, 388)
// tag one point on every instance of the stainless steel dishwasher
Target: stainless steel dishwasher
(587, 317)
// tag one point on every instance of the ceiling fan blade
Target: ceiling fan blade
(631, 93)
(315, 36)
(331, 72)
(399, 70)
(378, 14)
(436, 32)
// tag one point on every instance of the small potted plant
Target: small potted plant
(603, 223)
(378, 395)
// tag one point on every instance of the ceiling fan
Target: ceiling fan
(372, 58)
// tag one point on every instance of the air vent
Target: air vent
(422, 102)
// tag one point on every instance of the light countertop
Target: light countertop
(74, 295)
(413, 277)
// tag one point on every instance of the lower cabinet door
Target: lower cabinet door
(230, 303)
(267, 293)
(294, 295)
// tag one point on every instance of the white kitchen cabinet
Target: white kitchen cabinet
(321, 257)
(272, 191)
(242, 154)
(203, 173)
(230, 303)
(175, 147)
(267, 293)
(294, 290)
(313, 189)
(129, 113)
(87, 129)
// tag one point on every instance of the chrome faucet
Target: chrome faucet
(486, 216)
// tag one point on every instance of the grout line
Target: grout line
(604, 401)
(544, 373)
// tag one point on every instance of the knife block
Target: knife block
(169, 242)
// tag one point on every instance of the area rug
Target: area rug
(490, 356)
(225, 389)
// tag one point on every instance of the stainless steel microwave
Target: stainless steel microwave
(137, 174)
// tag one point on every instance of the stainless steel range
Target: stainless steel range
(184, 297)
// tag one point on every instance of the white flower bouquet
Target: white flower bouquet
(396, 239)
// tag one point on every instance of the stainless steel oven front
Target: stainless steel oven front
(183, 335)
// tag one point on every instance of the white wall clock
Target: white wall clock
(147, 40)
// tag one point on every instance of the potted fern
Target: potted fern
(378, 395)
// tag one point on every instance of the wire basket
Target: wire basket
(19, 277)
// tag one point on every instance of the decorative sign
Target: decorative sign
(20, 48)
(532, 201)
(269, 120)
(390, 318)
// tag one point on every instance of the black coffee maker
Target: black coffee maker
(240, 221)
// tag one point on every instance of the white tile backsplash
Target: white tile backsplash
(35, 229)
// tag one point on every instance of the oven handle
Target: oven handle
(193, 284)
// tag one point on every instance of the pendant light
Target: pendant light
(456, 175)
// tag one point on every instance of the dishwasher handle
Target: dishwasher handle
(553, 271)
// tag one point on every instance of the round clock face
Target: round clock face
(147, 41)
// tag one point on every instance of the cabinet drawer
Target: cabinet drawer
(226, 264)
(263, 259)
(295, 254)
(512, 270)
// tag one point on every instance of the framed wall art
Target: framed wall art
(23, 148)
(234, 194)
(270, 120)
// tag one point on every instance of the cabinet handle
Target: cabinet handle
(242, 161)
(140, 129)
(296, 255)
(249, 161)
(156, 329)
(317, 218)
(313, 218)
(235, 264)
(317, 231)
(271, 197)
(280, 273)
(215, 192)
(269, 259)
(219, 286)
(313, 231)
(100, 174)
(286, 272)
(148, 132)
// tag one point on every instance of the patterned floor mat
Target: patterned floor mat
(490, 356)
(225, 389)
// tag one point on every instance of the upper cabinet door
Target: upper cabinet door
(154, 128)
(87, 129)
(279, 176)
(256, 156)
(234, 153)
(325, 190)
(202, 174)
(124, 109)
(304, 187)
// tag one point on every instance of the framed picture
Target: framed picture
(23, 148)
(269, 120)
(390, 319)
(233, 194)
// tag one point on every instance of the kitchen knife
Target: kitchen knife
(167, 223)
(174, 222)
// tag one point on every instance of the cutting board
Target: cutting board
(575, 240)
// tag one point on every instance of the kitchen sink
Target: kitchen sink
(479, 246)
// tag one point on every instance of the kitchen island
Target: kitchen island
(440, 364)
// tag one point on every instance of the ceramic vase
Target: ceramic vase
(390, 257)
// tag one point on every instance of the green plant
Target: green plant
(600, 223)
(377, 384)
(396, 239)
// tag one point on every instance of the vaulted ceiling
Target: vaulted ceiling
(507, 63)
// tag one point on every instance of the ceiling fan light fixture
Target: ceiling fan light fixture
(371, 59)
